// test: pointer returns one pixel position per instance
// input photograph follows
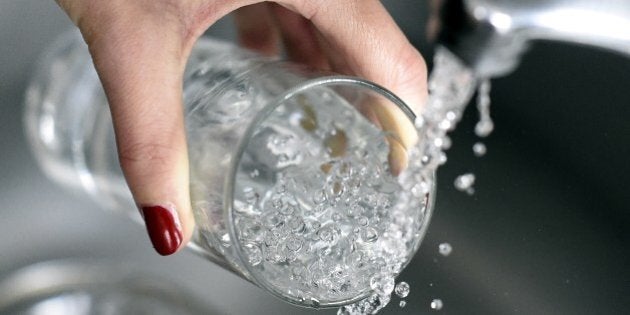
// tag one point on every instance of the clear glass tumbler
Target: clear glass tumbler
(291, 179)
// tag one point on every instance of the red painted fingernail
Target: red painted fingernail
(164, 228)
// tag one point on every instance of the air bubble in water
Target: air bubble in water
(319, 197)
(294, 244)
(328, 234)
(479, 149)
(402, 289)
(296, 224)
(437, 304)
(465, 183)
(445, 249)
(369, 235)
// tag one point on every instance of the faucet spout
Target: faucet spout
(491, 35)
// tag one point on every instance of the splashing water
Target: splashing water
(451, 85)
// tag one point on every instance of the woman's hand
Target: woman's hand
(140, 49)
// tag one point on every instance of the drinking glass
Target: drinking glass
(293, 173)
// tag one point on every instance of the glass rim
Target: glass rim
(230, 179)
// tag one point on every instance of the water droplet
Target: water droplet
(465, 183)
(402, 303)
(479, 149)
(485, 125)
(437, 304)
(445, 249)
(402, 289)
(484, 128)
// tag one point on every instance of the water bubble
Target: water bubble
(255, 173)
(251, 196)
(271, 238)
(273, 220)
(319, 197)
(224, 239)
(277, 203)
(336, 217)
(437, 304)
(402, 289)
(369, 235)
(296, 224)
(288, 209)
(254, 254)
(363, 221)
(479, 149)
(294, 244)
(445, 249)
(281, 188)
(336, 190)
(465, 183)
(382, 284)
(354, 211)
(329, 234)
(402, 303)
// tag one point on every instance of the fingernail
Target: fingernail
(163, 227)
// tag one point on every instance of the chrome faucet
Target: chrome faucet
(490, 35)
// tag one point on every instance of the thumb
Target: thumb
(141, 65)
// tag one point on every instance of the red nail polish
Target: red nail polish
(163, 228)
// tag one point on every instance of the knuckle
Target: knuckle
(142, 155)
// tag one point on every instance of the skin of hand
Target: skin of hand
(140, 49)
